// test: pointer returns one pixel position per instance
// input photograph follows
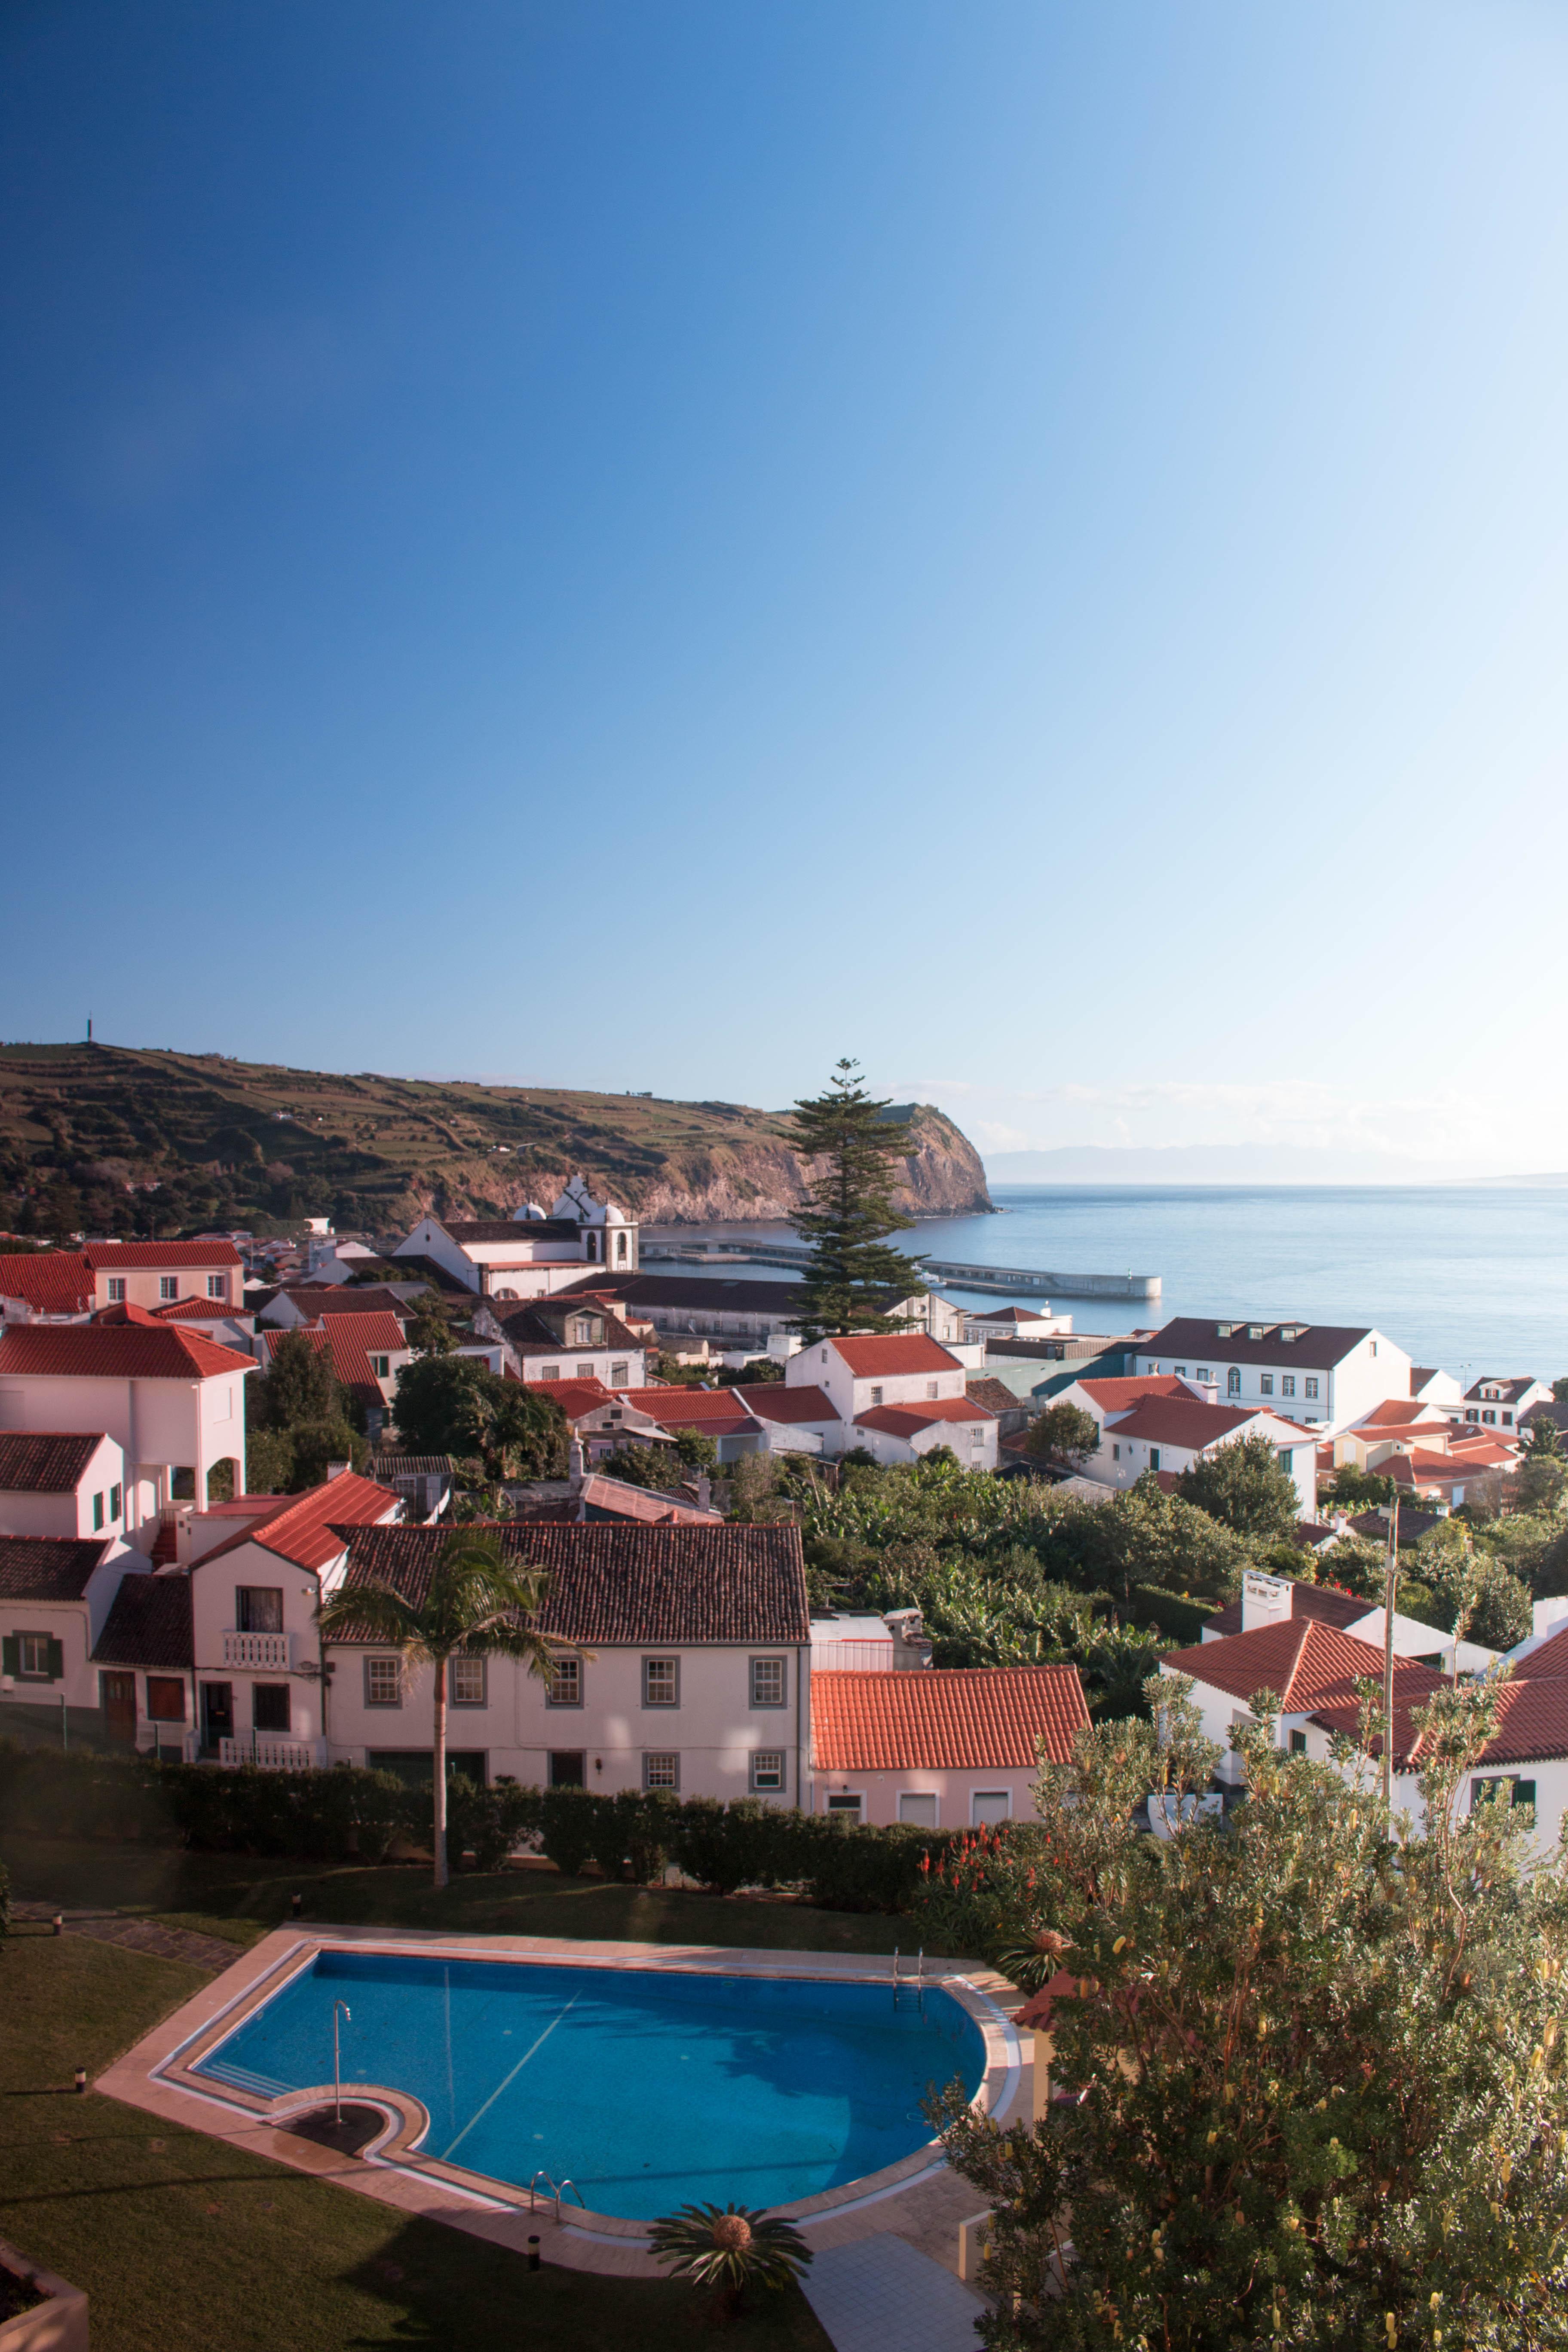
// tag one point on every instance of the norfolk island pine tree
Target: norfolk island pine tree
(852, 1270)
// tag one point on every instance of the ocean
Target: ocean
(1470, 1277)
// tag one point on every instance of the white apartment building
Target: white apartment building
(529, 1255)
(1321, 1374)
(898, 1397)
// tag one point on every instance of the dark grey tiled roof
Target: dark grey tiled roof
(48, 1568)
(44, 1462)
(149, 1625)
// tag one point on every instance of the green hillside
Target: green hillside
(107, 1140)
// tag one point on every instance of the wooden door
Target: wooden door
(119, 1692)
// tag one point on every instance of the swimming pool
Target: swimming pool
(647, 2087)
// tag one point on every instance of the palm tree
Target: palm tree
(730, 2248)
(476, 1602)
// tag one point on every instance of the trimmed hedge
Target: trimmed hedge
(1172, 1612)
(344, 1813)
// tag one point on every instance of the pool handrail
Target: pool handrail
(576, 2192)
(557, 2189)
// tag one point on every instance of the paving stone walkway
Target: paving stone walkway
(881, 2291)
(137, 1935)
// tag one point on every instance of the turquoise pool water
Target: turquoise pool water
(647, 2088)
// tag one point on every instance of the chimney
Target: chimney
(704, 1492)
(337, 1470)
(1265, 1599)
(576, 1468)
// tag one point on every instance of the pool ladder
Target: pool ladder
(556, 2188)
(902, 1982)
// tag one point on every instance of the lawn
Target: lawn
(240, 1897)
(185, 2244)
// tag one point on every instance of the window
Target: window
(97, 1513)
(384, 1682)
(381, 1367)
(620, 1374)
(931, 1388)
(1488, 1417)
(1265, 1383)
(989, 1805)
(468, 1681)
(165, 1698)
(1298, 1743)
(34, 1657)
(116, 1504)
(875, 1396)
(661, 1682)
(1233, 1381)
(550, 1371)
(585, 1372)
(620, 1249)
(168, 1285)
(1502, 1788)
(1180, 1370)
(565, 1688)
(1153, 1457)
(767, 1769)
(660, 1771)
(920, 1811)
(978, 1437)
(849, 1806)
(1203, 1372)
(767, 1682)
(1286, 1459)
(270, 1703)
(218, 1286)
(1508, 1421)
(566, 1768)
(1288, 1384)
(1372, 1349)
(1310, 1384)
(258, 1607)
(1116, 1453)
(117, 1290)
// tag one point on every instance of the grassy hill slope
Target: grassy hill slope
(108, 1139)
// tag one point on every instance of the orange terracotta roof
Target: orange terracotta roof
(944, 1718)
(1308, 1664)
(300, 1529)
(1395, 1413)
(111, 1257)
(576, 1398)
(1531, 1724)
(1552, 1658)
(901, 1351)
(52, 1282)
(116, 1352)
(1186, 1422)
(905, 1420)
(774, 1401)
(200, 1310)
(717, 1410)
(1121, 1395)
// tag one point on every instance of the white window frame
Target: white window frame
(550, 1371)
(920, 1796)
(762, 1670)
(768, 1772)
(978, 1797)
(847, 1803)
(466, 1667)
(661, 1769)
(563, 1688)
(117, 1290)
(1310, 1385)
(1288, 1384)
(662, 1706)
(218, 1286)
(377, 1670)
(620, 1376)
(168, 1289)
(36, 1673)
(1265, 1383)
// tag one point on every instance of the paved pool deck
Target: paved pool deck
(919, 2201)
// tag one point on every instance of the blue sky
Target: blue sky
(654, 545)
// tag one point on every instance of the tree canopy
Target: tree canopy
(1245, 1487)
(1064, 1435)
(455, 1404)
(850, 1187)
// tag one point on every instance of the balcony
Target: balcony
(272, 1752)
(268, 1653)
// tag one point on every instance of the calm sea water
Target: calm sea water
(1470, 1277)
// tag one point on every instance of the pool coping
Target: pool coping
(162, 2069)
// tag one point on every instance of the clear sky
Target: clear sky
(652, 545)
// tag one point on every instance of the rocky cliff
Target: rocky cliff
(107, 1140)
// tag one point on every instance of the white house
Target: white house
(1316, 1373)
(172, 1400)
(989, 1323)
(1307, 1666)
(685, 1664)
(55, 1594)
(1500, 1401)
(947, 1748)
(64, 1483)
(529, 1255)
(898, 1397)
(367, 1353)
(1164, 1425)
(566, 1339)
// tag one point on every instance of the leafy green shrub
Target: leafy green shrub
(1172, 1612)
(566, 1827)
(488, 1823)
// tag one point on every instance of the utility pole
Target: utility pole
(1390, 1588)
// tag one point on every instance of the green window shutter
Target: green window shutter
(11, 1655)
(57, 1660)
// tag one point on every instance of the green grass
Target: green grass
(240, 1897)
(186, 2245)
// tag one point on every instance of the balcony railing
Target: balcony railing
(271, 1753)
(268, 1651)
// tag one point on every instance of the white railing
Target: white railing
(273, 1755)
(267, 1650)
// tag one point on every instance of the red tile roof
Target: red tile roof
(577, 1399)
(774, 1401)
(44, 1462)
(1309, 1665)
(906, 1419)
(52, 1282)
(114, 1257)
(1531, 1724)
(644, 1505)
(1186, 1422)
(123, 1312)
(1396, 1412)
(949, 1719)
(1551, 1658)
(200, 1310)
(1326, 1604)
(718, 1411)
(350, 1341)
(300, 1527)
(116, 1352)
(870, 1358)
(1121, 1395)
(626, 1586)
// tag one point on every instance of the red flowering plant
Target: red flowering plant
(971, 1898)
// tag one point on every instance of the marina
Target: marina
(1025, 1282)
